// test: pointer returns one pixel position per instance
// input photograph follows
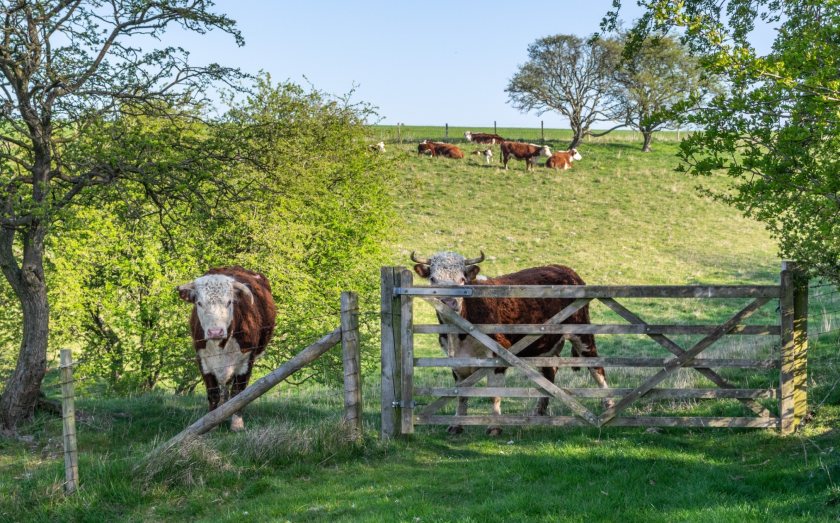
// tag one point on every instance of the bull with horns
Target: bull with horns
(450, 268)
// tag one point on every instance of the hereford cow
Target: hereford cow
(487, 153)
(377, 147)
(232, 321)
(488, 138)
(563, 159)
(523, 151)
(440, 149)
(449, 268)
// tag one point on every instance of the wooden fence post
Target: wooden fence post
(542, 132)
(391, 353)
(494, 128)
(800, 343)
(68, 413)
(407, 353)
(793, 404)
(351, 358)
(399, 132)
(446, 133)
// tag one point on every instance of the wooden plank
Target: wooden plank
(517, 347)
(575, 328)
(786, 375)
(675, 349)
(390, 355)
(449, 315)
(599, 291)
(407, 346)
(622, 421)
(597, 362)
(351, 360)
(653, 394)
(68, 415)
(678, 361)
(255, 390)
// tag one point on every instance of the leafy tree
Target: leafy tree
(67, 75)
(776, 130)
(656, 84)
(572, 76)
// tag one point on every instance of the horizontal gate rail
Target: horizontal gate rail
(598, 362)
(596, 291)
(653, 394)
(570, 328)
(635, 421)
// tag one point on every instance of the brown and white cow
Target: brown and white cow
(378, 147)
(488, 138)
(563, 159)
(523, 151)
(232, 322)
(440, 149)
(449, 268)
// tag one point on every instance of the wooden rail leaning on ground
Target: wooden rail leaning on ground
(398, 360)
(347, 335)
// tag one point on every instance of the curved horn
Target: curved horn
(423, 261)
(473, 261)
(241, 287)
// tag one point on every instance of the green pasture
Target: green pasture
(618, 217)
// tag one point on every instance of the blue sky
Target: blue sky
(420, 63)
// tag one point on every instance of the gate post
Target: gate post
(391, 358)
(407, 345)
(793, 306)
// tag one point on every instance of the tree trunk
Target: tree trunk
(23, 387)
(577, 137)
(648, 135)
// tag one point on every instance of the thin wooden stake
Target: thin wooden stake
(351, 357)
(68, 413)
(391, 382)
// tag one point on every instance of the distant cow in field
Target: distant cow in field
(449, 268)
(523, 151)
(487, 153)
(491, 139)
(377, 147)
(563, 159)
(440, 149)
(232, 322)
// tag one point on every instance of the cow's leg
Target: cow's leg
(541, 407)
(213, 390)
(240, 383)
(585, 345)
(497, 379)
(461, 409)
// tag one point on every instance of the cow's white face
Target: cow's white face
(576, 155)
(468, 136)
(445, 269)
(213, 296)
(545, 151)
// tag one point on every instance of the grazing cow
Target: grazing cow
(232, 321)
(487, 153)
(563, 159)
(523, 151)
(488, 138)
(377, 147)
(449, 268)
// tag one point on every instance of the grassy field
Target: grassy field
(618, 217)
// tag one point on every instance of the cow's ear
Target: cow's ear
(423, 270)
(471, 272)
(187, 292)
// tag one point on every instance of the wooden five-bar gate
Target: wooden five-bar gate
(400, 413)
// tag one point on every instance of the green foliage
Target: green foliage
(307, 206)
(776, 132)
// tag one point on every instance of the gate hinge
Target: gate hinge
(402, 404)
